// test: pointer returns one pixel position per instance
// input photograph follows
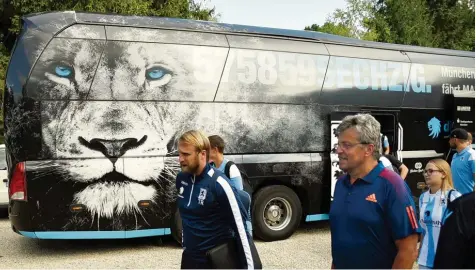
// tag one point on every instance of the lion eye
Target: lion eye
(155, 73)
(63, 71)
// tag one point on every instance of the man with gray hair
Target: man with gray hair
(372, 217)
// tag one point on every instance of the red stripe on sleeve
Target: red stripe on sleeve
(413, 216)
(412, 221)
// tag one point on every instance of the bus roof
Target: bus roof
(60, 20)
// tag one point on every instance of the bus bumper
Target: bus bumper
(19, 215)
(96, 234)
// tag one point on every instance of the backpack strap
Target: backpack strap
(227, 168)
(449, 196)
(449, 207)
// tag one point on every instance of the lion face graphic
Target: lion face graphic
(106, 122)
(111, 114)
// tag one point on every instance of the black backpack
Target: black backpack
(455, 249)
(244, 176)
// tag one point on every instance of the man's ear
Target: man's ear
(370, 148)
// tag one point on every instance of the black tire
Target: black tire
(279, 197)
(176, 229)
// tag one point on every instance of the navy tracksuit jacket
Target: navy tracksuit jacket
(211, 212)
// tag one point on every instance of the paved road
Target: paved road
(308, 248)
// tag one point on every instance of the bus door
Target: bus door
(463, 111)
(463, 116)
(389, 127)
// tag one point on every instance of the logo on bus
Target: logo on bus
(434, 126)
(418, 168)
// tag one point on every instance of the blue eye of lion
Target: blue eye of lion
(63, 71)
(155, 73)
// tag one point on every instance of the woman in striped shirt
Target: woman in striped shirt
(433, 204)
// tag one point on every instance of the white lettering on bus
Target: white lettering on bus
(462, 73)
(306, 70)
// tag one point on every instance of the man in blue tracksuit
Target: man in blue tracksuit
(210, 208)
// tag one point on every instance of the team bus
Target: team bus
(94, 105)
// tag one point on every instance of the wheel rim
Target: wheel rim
(277, 214)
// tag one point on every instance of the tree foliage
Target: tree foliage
(332, 28)
(445, 24)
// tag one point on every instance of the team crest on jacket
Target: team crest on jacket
(202, 196)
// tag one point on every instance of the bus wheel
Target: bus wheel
(176, 229)
(276, 213)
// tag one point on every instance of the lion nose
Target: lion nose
(112, 149)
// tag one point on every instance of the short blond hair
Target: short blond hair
(441, 164)
(198, 139)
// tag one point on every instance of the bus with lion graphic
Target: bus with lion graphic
(94, 105)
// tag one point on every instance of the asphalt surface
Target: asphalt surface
(309, 247)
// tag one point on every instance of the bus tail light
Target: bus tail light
(17, 189)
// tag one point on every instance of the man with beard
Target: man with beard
(372, 218)
(463, 163)
(210, 208)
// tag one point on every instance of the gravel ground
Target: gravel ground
(308, 248)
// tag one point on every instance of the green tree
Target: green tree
(349, 22)
(433, 23)
(331, 28)
(403, 22)
(453, 23)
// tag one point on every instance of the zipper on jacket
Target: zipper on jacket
(191, 192)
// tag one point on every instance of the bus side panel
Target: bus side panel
(110, 115)
(425, 136)
(364, 82)
(295, 171)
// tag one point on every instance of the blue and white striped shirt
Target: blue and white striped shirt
(432, 214)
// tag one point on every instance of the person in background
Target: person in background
(433, 204)
(402, 169)
(387, 164)
(372, 217)
(385, 144)
(217, 159)
(392, 163)
(470, 140)
(462, 164)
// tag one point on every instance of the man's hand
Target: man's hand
(407, 252)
